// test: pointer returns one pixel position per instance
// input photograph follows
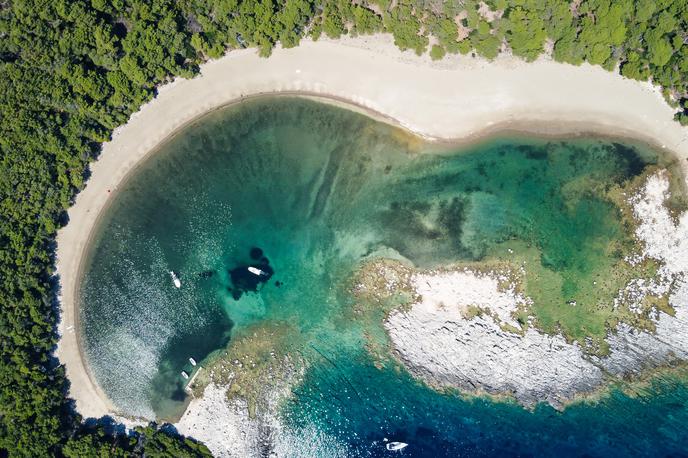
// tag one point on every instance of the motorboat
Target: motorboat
(256, 271)
(177, 282)
(185, 375)
(192, 361)
(396, 446)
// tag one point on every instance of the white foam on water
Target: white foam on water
(308, 442)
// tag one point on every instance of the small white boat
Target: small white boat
(192, 361)
(396, 446)
(177, 282)
(185, 375)
(256, 271)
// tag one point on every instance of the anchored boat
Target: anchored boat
(396, 446)
(175, 280)
(256, 271)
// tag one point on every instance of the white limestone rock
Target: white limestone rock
(442, 347)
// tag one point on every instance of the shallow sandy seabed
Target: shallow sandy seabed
(460, 98)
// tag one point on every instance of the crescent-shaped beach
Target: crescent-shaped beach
(458, 99)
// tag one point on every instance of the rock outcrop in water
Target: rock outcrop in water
(226, 426)
(442, 342)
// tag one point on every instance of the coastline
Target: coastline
(459, 100)
(531, 366)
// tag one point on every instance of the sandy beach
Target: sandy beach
(459, 98)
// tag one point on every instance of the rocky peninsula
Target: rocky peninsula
(461, 330)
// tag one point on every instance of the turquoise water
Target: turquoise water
(318, 190)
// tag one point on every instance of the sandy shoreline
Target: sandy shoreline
(460, 98)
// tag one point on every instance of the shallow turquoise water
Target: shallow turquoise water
(318, 189)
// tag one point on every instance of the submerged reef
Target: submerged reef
(248, 277)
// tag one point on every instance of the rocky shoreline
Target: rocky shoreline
(443, 341)
(224, 423)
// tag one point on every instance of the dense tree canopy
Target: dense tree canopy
(73, 70)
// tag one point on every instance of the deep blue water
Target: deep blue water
(387, 404)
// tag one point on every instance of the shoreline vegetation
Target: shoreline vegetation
(74, 72)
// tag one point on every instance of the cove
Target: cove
(306, 192)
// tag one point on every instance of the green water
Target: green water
(320, 189)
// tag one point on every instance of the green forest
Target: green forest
(71, 71)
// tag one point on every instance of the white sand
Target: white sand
(454, 99)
